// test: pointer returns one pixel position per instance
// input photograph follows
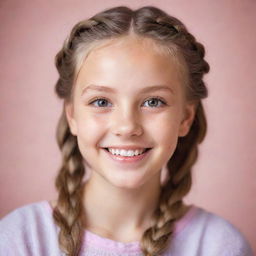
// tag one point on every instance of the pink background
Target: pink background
(32, 32)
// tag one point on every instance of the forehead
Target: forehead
(139, 47)
(137, 60)
(128, 42)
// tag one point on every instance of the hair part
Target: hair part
(168, 35)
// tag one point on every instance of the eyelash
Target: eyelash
(155, 98)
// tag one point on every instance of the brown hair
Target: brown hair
(166, 31)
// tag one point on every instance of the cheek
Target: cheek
(164, 126)
(165, 131)
(91, 129)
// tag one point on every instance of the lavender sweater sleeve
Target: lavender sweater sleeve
(30, 230)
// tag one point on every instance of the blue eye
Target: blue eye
(153, 102)
(101, 102)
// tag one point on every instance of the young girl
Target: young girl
(132, 85)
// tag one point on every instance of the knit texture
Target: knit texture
(30, 230)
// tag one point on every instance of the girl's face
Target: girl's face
(127, 94)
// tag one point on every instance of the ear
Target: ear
(69, 111)
(188, 118)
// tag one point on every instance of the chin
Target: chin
(127, 183)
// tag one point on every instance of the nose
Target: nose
(126, 124)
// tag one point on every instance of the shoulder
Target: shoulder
(26, 215)
(201, 233)
(23, 229)
(218, 235)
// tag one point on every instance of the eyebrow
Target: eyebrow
(102, 88)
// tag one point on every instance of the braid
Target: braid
(68, 211)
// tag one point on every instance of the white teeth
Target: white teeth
(124, 152)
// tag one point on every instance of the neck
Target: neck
(119, 213)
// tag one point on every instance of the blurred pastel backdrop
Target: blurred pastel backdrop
(31, 33)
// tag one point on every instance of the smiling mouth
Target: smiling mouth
(144, 151)
(127, 160)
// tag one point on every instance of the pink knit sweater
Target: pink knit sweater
(30, 230)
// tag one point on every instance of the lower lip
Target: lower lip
(128, 159)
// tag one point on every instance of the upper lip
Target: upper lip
(127, 147)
